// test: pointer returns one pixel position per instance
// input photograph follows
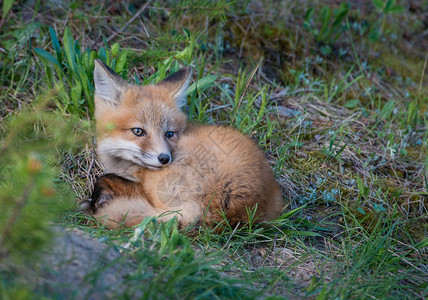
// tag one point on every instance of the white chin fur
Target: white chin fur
(125, 158)
(152, 167)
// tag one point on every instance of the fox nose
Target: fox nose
(164, 158)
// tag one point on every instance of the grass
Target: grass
(337, 100)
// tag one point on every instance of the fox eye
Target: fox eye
(169, 134)
(138, 131)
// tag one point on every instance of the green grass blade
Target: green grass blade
(7, 5)
(202, 84)
(47, 56)
(287, 215)
(121, 62)
(68, 43)
(102, 54)
(422, 244)
(55, 43)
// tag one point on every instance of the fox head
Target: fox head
(138, 126)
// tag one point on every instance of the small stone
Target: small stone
(301, 154)
(285, 112)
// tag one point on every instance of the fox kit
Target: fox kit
(157, 164)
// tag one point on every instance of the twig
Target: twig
(142, 9)
(230, 237)
(243, 40)
(422, 75)
(249, 81)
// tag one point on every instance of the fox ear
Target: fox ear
(108, 85)
(177, 84)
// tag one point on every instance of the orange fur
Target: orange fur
(213, 169)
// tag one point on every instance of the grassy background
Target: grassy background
(335, 93)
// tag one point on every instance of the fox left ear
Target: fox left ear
(108, 85)
(177, 84)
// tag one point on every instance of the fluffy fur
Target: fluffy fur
(213, 169)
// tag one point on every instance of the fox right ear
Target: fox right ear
(108, 85)
(176, 84)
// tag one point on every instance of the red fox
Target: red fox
(158, 164)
